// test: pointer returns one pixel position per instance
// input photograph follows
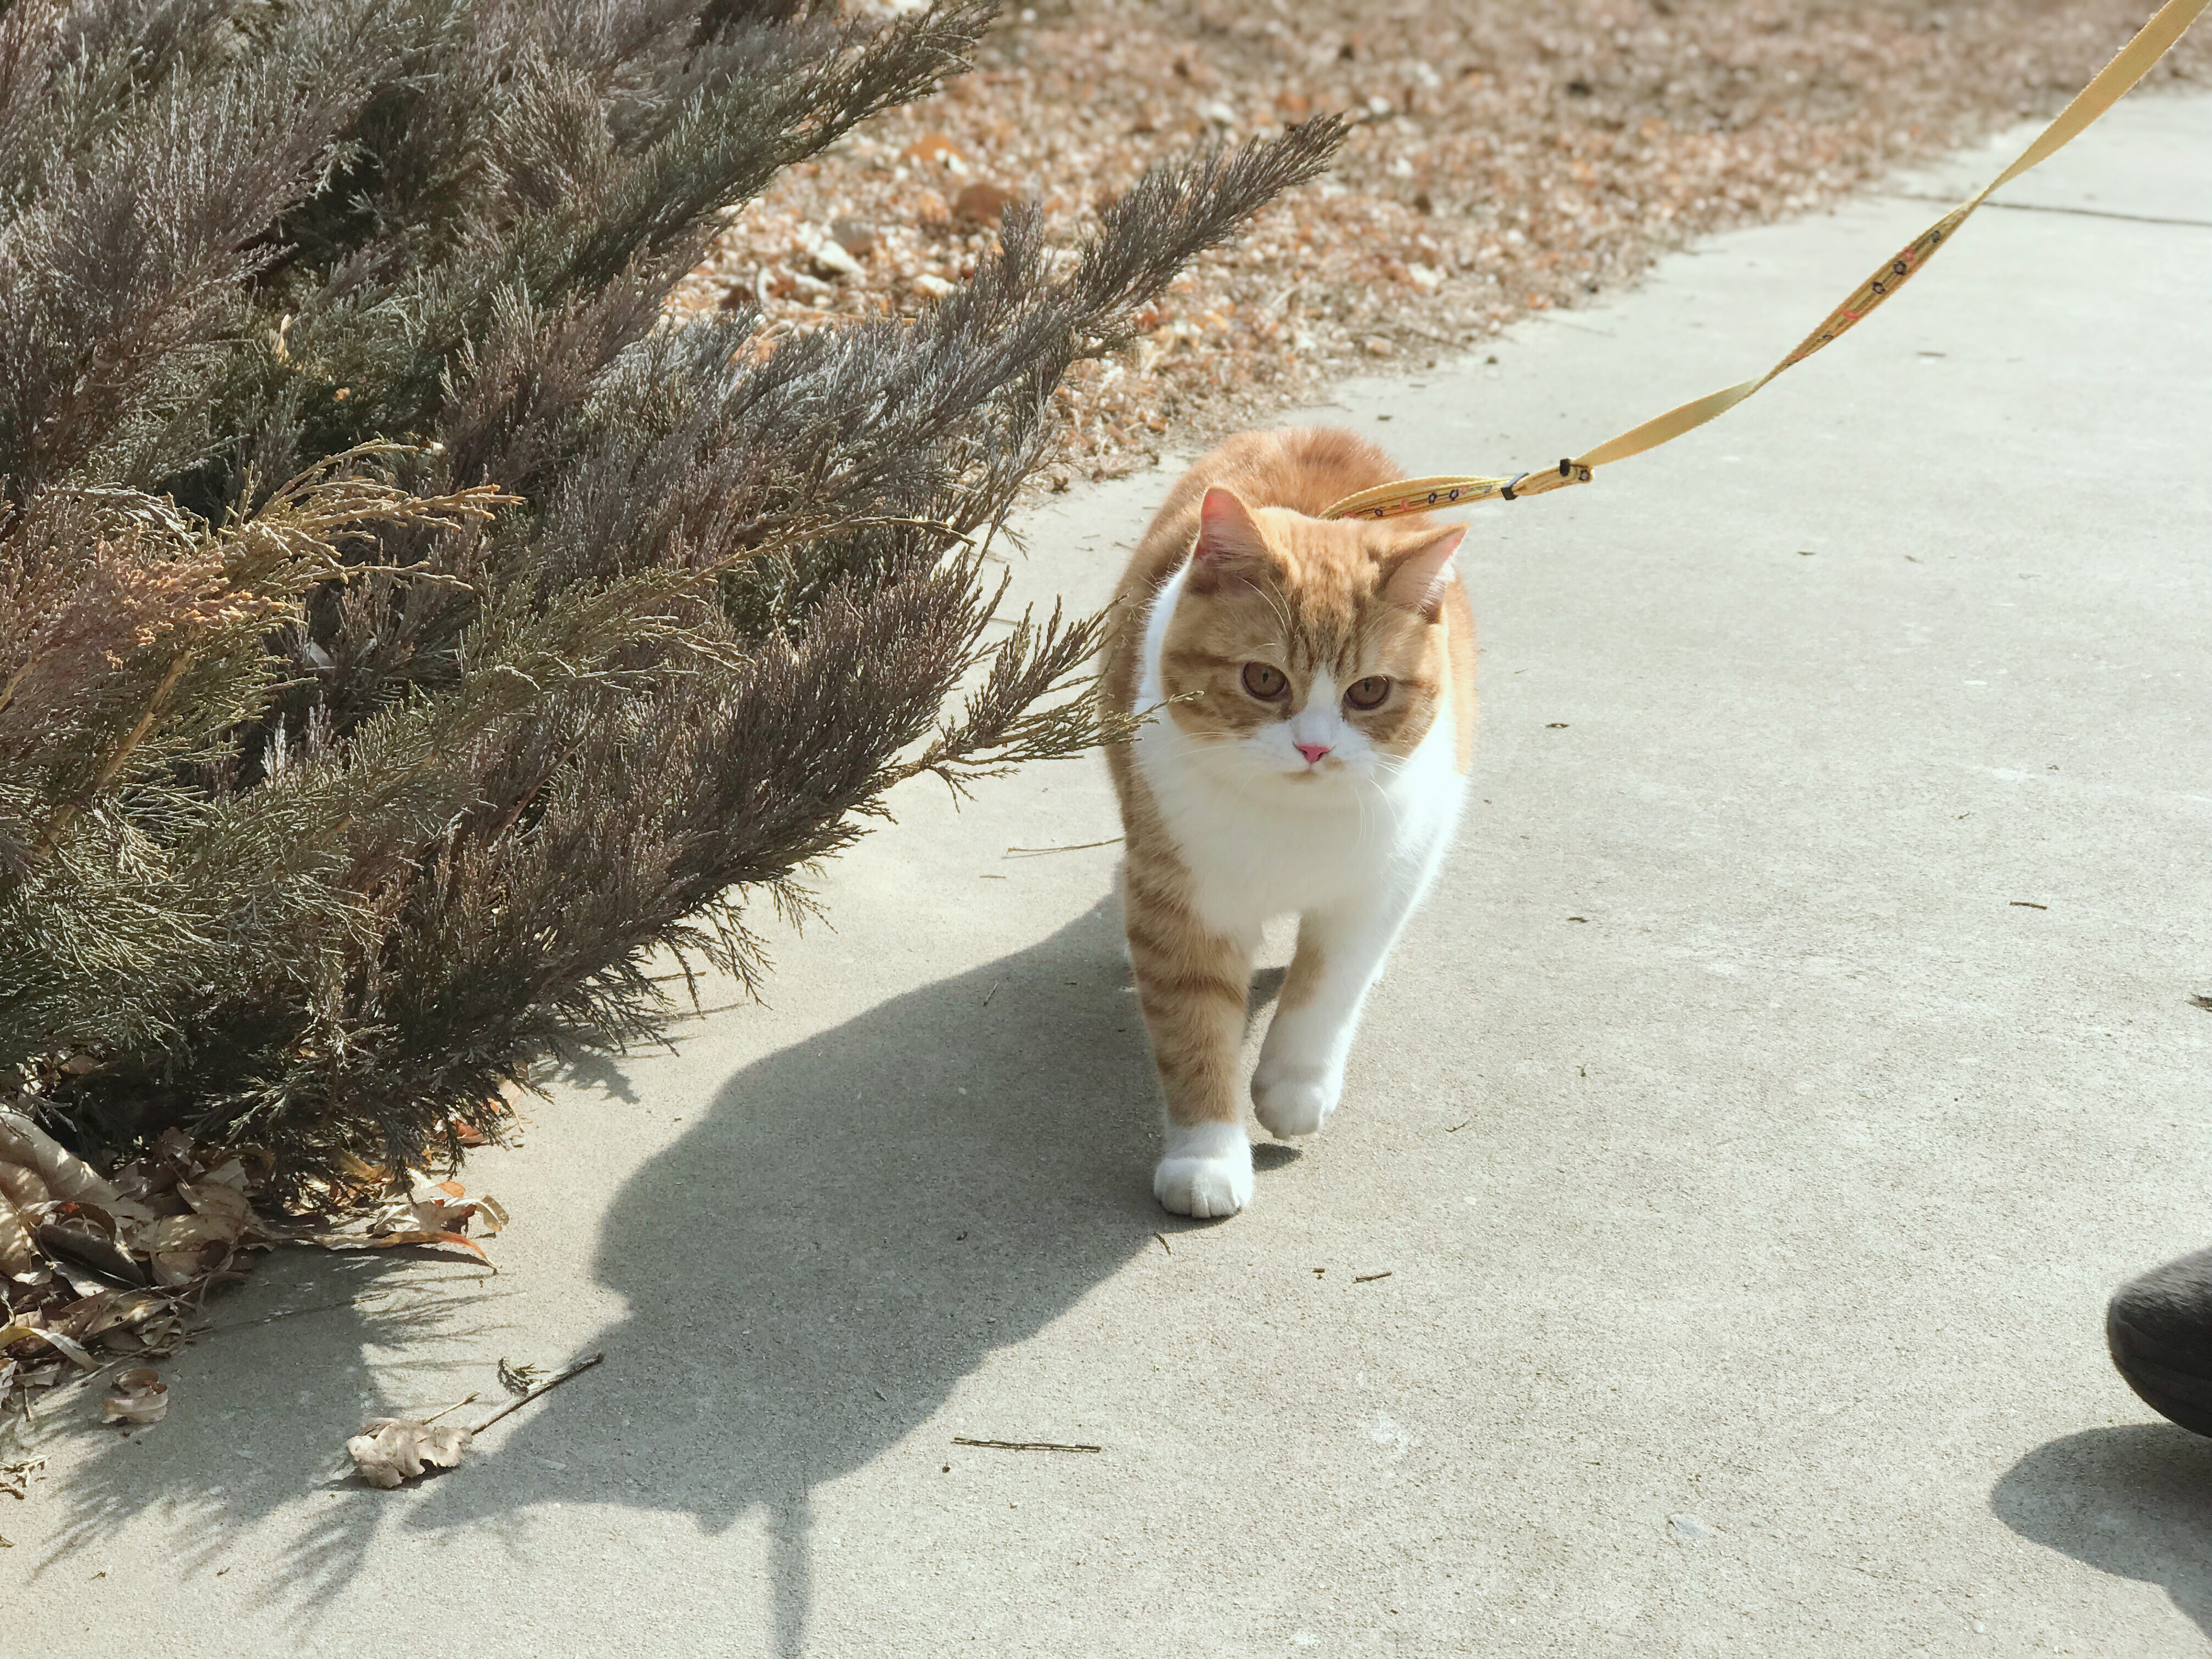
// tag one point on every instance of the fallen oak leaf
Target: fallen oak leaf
(97, 1315)
(386, 1445)
(140, 1397)
(369, 1175)
(390, 1450)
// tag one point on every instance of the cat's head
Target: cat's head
(1308, 648)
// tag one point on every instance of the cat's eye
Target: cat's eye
(1265, 681)
(1369, 693)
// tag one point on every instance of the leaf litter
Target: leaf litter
(140, 1396)
(97, 1270)
(391, 1450)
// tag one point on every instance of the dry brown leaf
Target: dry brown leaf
(369, 1175)
(50, 1200)
(140, 1396)
(220, 1200)
(390, 1450)
(435, 1206)
(68, 1347)
(108, 1313)
(91, 1243)
(186, 1247)
(23, 1207)
(68, 1178)
(117, 1263)
(428, 1212)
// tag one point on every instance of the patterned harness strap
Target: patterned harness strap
(2133, 61)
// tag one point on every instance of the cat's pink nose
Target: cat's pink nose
(1312, 751)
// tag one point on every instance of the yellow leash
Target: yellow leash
(2133, 62)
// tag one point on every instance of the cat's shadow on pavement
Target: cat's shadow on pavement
(2135, 1501)
(852, 1226)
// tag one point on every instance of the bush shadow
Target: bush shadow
(2134, 1501)
(852, 1227)
(281, 1373)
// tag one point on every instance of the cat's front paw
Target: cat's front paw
(1291, 1102)
(1208, 1171)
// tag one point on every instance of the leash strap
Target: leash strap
(2112, 83)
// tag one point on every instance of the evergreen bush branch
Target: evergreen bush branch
(568, 636)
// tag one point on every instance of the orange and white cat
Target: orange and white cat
(1310, 686)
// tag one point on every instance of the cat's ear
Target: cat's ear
(1229, 545)
(1415, 578)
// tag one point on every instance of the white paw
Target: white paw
(1293, 1103)
(1207, 1171)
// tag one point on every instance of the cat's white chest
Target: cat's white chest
(1263, 846)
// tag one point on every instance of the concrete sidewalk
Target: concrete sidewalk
(1797, 1053)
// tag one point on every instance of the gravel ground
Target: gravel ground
(1510, 159)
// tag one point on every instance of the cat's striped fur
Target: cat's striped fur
(1263, 784)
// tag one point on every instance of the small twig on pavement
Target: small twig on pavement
(552, 1382)
(1080, 847)
(455, 1406)
(718, 1008)
(1163, 1238)
(1024, 1445)
(1456, 1127)
(1368, 1279)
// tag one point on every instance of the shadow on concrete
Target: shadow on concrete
(2135, 1501)
(261, 1403)
(852, 1228)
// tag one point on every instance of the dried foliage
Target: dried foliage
(1510, 158)
(140, 1397)
(390, 1450)
(405, 632)
(95, 1268)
